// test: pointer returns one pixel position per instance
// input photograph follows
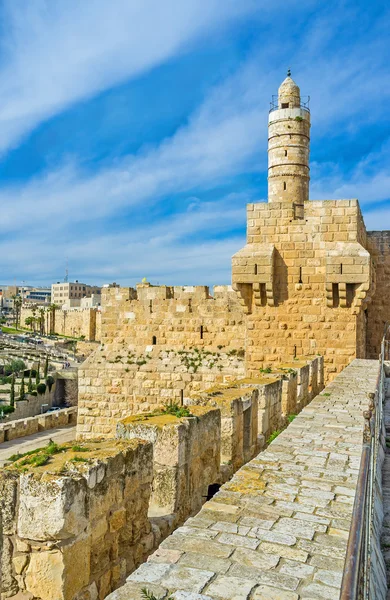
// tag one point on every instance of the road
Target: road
(60, 435)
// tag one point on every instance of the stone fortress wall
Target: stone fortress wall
(74, 528)
(73, 322)
(309, 281)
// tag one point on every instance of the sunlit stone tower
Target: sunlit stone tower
(288, 146)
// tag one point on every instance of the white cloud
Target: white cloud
(56, 53)
(57, 59)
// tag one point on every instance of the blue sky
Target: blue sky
(134, 132)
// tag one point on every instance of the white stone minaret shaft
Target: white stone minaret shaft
(288, 147)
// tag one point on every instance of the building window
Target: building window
(154, 340)
(285, 153)
(255, 269)
(284, 104)
(201, 332)
(284, 185)
(300, 275)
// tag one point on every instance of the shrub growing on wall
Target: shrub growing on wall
(50, 382)
(41, 388)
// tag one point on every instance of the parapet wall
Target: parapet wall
(116, 382)
(22, 427)
(73, 529)
(279, 528)
(74, 322)
(172, 317)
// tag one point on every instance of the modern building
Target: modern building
(62, 292)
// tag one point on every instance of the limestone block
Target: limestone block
(59, 575)
(52, 508)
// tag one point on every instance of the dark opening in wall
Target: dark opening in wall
(300, 275)
(350, 293)
(151, 306)
(201, 332)
(255, 269)
(181, 397)
(154, 340)
(263, 294)
(341, 268)
(335, 295)
(284, 104)
(284, 185)
(212, 490)
(285, 153)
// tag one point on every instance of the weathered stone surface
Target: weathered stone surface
(53, 509)
(261, 546)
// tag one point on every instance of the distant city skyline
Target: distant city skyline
(134, 134)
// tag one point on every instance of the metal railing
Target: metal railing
(304, 104)
(357, 568)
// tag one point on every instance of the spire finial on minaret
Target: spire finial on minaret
(289, 73)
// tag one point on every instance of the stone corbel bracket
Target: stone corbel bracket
(253, 275)
(349, 264)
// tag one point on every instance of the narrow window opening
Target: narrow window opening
(263, 294)
(201, 332)
(284, 104)
(190, 305)
(181, 397)
(295, 351)
(255, 269)
(284, 185)
(285, 153)
(341, 268)
(335, 295)
(151, 306)
(154, 340)
(300, 275)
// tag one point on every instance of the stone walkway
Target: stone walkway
(279, 529)
(25, 444)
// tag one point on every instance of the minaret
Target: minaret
(288, 146)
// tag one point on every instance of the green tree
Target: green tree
(46, 369)
(29, 321)
(41, 320)
(22, 391)
(30, 384)
(17, 306)
(12, 394)
(52, 309)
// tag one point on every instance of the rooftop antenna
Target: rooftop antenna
(66, 278)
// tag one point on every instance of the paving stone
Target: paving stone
(285, 551)
(272, 536)
(150, 572)
(331, 578)
(186, 578)
(295, 527)
(254, 558)
(314, 591)
(263, 592)
(206, 562)
(297, 569)
(233, 588)
(163, 555)
(238, 540)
